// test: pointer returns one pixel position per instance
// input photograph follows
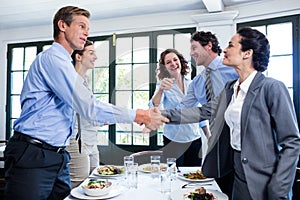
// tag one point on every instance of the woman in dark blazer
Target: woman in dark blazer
(253, 125)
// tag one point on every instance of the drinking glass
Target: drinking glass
(165, 179)
(127, 161)
(132, 175)
(155, 166)
(172, 167)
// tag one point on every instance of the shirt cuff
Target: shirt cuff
(203, 123)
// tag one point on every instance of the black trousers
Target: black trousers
(226, 183)
(186, 154)
(33, 173)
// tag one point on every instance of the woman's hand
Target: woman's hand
(166, 84)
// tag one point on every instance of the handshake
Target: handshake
(151, 118)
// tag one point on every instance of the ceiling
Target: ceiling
(16, 13)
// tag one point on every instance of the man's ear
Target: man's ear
(62, 25)
(209, 45)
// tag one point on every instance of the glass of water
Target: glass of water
(171, 162)
(128, 160)
(132, 175)
(165, 179)
(155, 166)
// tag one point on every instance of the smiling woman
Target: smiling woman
(85, 155)
(180, 141)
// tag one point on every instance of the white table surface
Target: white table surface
(149, 188)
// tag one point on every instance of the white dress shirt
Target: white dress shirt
(234, 110)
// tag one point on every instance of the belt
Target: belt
(26, 138)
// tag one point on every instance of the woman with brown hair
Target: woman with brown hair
(180, 141)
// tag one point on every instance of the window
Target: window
(283, 35)
(132, 84)
(20, 57)
(124, 75)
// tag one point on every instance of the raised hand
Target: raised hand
(166, 83)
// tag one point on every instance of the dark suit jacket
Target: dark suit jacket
(269, 134)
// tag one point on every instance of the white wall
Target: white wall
(222, 24)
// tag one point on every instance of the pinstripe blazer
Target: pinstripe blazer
(269, 134)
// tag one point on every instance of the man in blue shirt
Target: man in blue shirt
(206, 51)
(36, 163)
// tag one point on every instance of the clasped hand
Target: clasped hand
(157, 120)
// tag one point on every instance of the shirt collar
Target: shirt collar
(246, 84)
(62, 50)
(215, 63)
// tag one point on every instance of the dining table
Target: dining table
(149, 188)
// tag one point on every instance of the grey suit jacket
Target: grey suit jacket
(269, 134)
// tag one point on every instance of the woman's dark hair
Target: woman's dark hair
(255, 40)
(162, 70)
(204, 38)
(80, 52)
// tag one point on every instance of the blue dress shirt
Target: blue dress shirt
(170, 99)
(52, 92)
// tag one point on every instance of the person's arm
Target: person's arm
(183, 116)
(285, 127)
(188, 115)
(156, 98)
(205, 128)
(165, 84)
(69, 87)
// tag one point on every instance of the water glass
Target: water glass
(172, 167)
(132, 175)
(127, 160)
(165, 179)
(155, 166)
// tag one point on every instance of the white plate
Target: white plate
(96, 173)
(180, 175)
(115, 191)
(179, 194)
(145, 167)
